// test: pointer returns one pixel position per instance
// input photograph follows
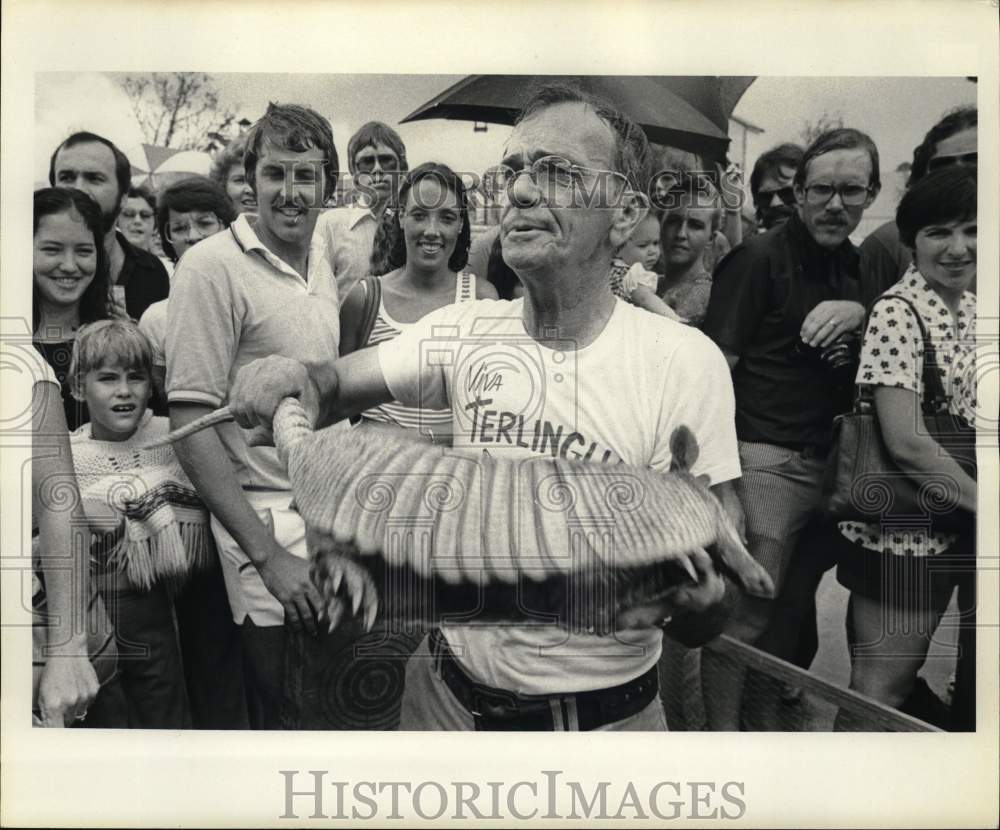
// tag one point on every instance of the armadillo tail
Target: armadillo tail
(219, 416)
(734, 556)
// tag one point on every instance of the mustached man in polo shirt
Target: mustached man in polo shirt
(246, 292)
(376, 158)
(603, 381)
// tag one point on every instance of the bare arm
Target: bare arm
(647, 299)
(68, 683)
(207, 464)
(350, 319)
(335, 391)
(912, 449)
(485, 289)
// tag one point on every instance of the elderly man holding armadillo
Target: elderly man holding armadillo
(567, 377)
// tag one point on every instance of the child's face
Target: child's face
(644, 244)
(116, 398)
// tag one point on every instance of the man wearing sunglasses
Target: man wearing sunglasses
(783, 306)
(953, 140)
(376, 158)
(771, 184)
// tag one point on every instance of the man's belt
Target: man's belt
(501, 710)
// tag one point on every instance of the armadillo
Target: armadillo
(437, 536)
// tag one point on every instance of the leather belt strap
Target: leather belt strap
(501, 710)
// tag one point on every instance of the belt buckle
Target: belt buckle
(506, 705)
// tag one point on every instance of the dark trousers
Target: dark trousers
(149, 660)
(792, 632)
(342, 680)
(263, 673)
(212, 653)
(109, 709)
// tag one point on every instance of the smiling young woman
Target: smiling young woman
(430, 239)
(69, 280)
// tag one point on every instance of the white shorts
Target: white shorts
(247, 594)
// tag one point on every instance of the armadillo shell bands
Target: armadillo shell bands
(480, 520)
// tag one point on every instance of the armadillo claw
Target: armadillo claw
(371, 610)
(354, 584)
(334, 610)
(689, 568)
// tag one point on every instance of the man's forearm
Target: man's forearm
(207, 464)
(349, 386)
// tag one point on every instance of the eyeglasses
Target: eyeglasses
(965, 159)
(851, 195)
(202, 226)
(145, 215)
(765, 198)
(386, 161)
(553, 175)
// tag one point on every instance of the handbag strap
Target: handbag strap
(373, 299)
(935, 397)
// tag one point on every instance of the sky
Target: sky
(896, 112)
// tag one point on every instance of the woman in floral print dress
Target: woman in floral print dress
(902, 578)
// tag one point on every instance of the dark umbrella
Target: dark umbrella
(690, 113)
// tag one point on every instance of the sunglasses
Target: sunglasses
(386, 161)
(128, 213)
(965, 159)
(764, 198)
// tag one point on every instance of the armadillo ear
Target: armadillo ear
(683, 449)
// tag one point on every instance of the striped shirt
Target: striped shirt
(437, 423)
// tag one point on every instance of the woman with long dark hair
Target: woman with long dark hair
(69, 280)
(430, 236)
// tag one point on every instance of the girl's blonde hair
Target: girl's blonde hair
(115, 342)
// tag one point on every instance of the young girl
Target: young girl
(632, 277)
(149, 527)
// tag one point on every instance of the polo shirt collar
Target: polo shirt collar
(248, 241)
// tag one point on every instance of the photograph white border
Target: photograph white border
(131, 778)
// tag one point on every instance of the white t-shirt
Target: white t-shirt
(615, 400)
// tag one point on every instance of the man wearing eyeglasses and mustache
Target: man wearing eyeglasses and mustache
(783, 306)
(771, 184)
(376, 157)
